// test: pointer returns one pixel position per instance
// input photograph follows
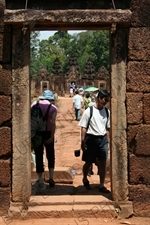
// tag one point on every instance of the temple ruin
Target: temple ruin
(129, 25)
(59, 82)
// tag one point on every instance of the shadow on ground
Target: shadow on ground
(69, 189)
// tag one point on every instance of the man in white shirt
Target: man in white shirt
(77, 104)
(95, 138)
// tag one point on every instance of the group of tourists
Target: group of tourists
(95, 138)
(73, 88)
(80, 102)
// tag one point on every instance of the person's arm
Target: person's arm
(108, 137)
(108, 127)
(53, 128)
(83, 133)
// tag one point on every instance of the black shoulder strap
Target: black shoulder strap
(91, 113)
(37, 103)
(107, 112)
(47, 111)
(46, 114)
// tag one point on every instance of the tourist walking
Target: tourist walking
(92, 102)
(47, 107)
(87, 100)
(71, 91)
(95, 137)
(77, 105)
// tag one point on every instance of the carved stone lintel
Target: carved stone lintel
(46, 17)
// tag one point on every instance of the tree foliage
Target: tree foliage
(93, 44)
(34, 61)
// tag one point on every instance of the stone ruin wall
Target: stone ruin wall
(5, 113)
(137, 106)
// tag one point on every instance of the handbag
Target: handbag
(77, 153)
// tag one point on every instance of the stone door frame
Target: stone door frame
(117, 22)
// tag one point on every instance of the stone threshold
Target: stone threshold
(63, 211)
(70, 207)
(70, 200)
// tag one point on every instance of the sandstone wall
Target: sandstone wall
(138, 107)
(5, 113)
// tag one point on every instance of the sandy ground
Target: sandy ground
(78, 221)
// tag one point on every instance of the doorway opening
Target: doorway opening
(65, 58)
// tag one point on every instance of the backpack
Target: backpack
(38, 123)
(91, 113)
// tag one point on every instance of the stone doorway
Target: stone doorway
(118, 26)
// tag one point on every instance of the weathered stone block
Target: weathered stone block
(5, 140)
(139, 44)
(141, 15)
(1, 16)
(131, 134)
(5, 47)
(126, 209)
(140, 195)
(4, 200)
(6, 80)
(143, 140)
(5, 28)
(4, 173)
(146, 105)
(61, 175)
(134, 108)
(139, 168)
(5, 108)
(138, 76)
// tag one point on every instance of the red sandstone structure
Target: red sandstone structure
(59, 82)
(129, 26)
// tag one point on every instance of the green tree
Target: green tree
(100, 48)
(93, 44)
(34, 45)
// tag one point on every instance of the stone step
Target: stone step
(61, 175)
(70, 208)
(69, 200)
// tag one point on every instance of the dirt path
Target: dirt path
(79, 221)
(67, 135)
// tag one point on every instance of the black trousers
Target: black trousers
(50, 153)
